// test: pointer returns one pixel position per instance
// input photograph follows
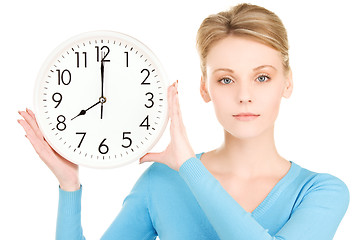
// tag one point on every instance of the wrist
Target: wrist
(69, 187)
(191, 156)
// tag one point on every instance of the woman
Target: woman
(242, 190)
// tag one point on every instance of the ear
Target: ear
(203, 90)
(288, 89)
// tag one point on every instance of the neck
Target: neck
(248, 157)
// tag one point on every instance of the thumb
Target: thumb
(151, 157)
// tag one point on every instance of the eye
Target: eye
(263, 78)
(225, 81)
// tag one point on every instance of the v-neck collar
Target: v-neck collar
(276, 190)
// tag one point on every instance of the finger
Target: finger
(170, 100)
(176, 109)
(152, 157)
(177, 117)
(177, 106)
(28, 130)
(32, 123)
(179, 114)
(34, 140)
(32, 115)
(38, 132)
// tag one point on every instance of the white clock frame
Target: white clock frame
(46, 120)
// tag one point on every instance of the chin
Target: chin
(243, 134)
(247, 131)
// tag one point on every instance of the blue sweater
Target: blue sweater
(191, 204)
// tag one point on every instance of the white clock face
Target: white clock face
(101, 99)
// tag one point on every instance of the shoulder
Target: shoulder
(323, 187)
(320, 181)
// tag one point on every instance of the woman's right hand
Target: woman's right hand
(65, 171)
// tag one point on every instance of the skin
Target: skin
(244, 75)
(67, 173)
(248, 149)
(247, 163)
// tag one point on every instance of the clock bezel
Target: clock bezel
(56, 53)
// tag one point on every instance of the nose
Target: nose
(244, 94)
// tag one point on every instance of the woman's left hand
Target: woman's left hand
(179, 149)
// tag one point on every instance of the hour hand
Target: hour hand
(83, 112)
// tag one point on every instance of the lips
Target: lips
(245, 114)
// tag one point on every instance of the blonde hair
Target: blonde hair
(243, 20)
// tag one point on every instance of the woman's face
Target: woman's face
(244, 75)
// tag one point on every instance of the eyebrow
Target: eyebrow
(255, 69)
(223, 69)
(264, 66)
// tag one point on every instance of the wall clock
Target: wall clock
(100, 99)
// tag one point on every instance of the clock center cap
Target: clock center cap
(103, 99)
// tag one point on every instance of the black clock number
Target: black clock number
(148, 74)
(127, 138)
(64, 77)
(126, 58)
(85, 59)
(57, 97)
(61, 126)
(103, 148)
(106, 52)
(83, 133)
(150, 99)
(145, 123)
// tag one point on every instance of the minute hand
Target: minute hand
(102, 77)
(102, 98)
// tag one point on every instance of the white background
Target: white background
(319, 127)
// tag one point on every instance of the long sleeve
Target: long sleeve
(132, 223)
(69, 215)
(315, 218)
